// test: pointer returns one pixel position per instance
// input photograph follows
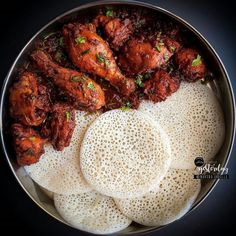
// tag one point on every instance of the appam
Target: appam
(165, 204)
(60, 172)
(91, 212)
(194, 122)
(124, 154)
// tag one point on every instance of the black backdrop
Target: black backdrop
(19, 20)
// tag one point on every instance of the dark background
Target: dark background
(20, 20)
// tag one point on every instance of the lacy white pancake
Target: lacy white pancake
(174, 197)
(193, 120)
(124, 153)
(60, 172)
(91, 212)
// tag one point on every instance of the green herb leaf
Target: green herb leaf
(80, 40)
(172, 48)
(126, 106)
(32, 138)
(91, 86)
(166, 57)
(101, 58)
(139, 81)
(109, 13)
(157, 47)
(197, 61)
(67, 115)
(85, 52)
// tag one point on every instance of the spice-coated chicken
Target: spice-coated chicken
(29, 100)
(91, 54)
(190, 64)
(28, 144)
(141, 55)
(161, 86)
(116, 30)
(85, 93)
(61, 125)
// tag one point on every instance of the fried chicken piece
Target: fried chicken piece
(161, 86)
(139, 56)
(28, 144)
(91, 54)
(85, 93)
(62, 124)
(191, 64)
(29, 100)
(116, 30)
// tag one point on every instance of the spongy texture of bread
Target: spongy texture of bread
(193, 119)
(59, 171)
(173, 199)
(91, 212)
(124, 154)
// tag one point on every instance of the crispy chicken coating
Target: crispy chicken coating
(117, 31)
(85, 93)
(161, 86)
(139, 56)
(91, 54)
(29, 100)
(190, 64)
(62, 124)
(28, 144)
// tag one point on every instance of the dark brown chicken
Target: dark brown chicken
(29, 100)
(190, 64)
(28, 144)
(60, 126)
(161, 86)
(91, 54)
(85, 93)
(117, 31)
(139, 56)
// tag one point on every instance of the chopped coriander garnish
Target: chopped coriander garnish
(197, 61)
(157, 47)
(91, 86)
(67, 115)
(139, 81)
(32, 138)
(85, 52)
(101, 58)
(126, 106)
(80, 40)
(109, 11)
(166, 57)
(172, 48)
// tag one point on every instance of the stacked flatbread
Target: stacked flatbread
(133, 165)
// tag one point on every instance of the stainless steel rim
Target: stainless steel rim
(135, 3)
